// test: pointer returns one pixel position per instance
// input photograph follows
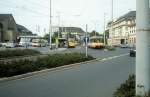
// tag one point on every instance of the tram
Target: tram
(71, 43)
(96, 42)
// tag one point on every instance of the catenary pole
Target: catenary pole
(50, 26)
(142, 47)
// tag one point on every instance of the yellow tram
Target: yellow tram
(71, 43)
(96, 42)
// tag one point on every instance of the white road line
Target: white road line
(114, 57)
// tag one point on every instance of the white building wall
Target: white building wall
(123, 30)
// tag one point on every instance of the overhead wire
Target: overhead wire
(24, 8)
(37, 4)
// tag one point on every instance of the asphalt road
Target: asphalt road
(98, 53)
(97, 79)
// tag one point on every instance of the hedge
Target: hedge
(17, 52)
(51, 61)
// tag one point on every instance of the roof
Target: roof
(71, 29)
(128, 16)
(5, 16)
(9, 18)
(22, 28)
(31, 36)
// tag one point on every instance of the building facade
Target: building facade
(123, 30)
(70, 32)
(8, 29)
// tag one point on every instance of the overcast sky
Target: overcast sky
(31, 13)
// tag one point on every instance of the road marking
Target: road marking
(114, 57)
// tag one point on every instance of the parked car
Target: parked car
(10, 45)
(132, 46)
(124, 46)
(132, 53)
(4, 44)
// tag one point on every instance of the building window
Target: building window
(126, 28)
(130, 40)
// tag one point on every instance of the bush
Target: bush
(63, 59)
(127, 89)
(23, 66)
(16, 68)
(17, 52)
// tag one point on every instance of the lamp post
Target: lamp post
(50, 26)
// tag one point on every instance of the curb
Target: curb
(22, 76)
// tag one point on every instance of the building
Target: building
(73, 32)
(123, 30)
(23, 31)
(10, 31)
(8, 28)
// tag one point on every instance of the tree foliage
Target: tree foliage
(94, 33)
(54, 36)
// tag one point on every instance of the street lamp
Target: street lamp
(50, 26)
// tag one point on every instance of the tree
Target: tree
(54, 36)
(94, 33)
(106, 35)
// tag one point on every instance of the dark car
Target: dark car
(124, 46)
(132, 53)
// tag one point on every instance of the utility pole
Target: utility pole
(86, 41)
(142, 48)
(50, 26)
